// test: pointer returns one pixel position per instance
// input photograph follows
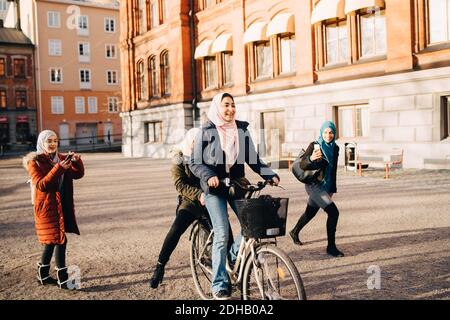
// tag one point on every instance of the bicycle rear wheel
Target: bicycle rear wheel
(201, 260)
(272, 276)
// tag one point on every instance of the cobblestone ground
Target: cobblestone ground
(125, 207)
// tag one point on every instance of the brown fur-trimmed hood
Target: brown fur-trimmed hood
(27, 158)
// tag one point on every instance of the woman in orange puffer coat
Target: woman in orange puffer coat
(52, 176)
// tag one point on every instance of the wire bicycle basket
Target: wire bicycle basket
(262, 217)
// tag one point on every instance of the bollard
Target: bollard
(386, 176)
(360, 169)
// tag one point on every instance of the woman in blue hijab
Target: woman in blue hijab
(323, 154)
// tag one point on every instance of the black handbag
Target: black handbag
(305, 176)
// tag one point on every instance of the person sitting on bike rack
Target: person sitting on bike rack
(191, 203)
(219, 155)
(324, 153)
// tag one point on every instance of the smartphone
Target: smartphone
(316, 146)
(69, 157)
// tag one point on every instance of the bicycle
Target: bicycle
(261, 270)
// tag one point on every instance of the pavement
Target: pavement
(395, 234)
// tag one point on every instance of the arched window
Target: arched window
(141, 86)
(153, 76)
(165, 73)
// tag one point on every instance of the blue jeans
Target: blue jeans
(217, 208)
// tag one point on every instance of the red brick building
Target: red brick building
(379, 69)
(17, 89)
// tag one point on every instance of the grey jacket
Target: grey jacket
(208, 158)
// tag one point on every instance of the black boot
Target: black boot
(63, 277)
(333, 215)
(310, 212)
(43, 276)
(158, 275)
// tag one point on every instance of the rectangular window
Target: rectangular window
(263, 59)
(3, 100)
(336, 42)
(3, 5)
(154, 16)
(445, 117)
(2, 67)
(210, 72)
(439, 21)
(79, 104)
(165, 10)
(21, 98)
(53, 19)
(113, 104)
(19, 68)
(208, 3)
(92, 105)
(165, 68)
(373, 33)
(85, 79)
(142, 16)
(83, 25)
(153, 132)
(110, 51)
(83, 52)
(287, 54)
(57, 105)
(111, 77)
(227, 67)
(54, 47)
(142, 86)
(56, 75)
(110, 25)
(153, 73)
(353, 121)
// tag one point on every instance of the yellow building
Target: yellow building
(78, 67)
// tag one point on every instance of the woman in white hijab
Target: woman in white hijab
(191, 203)
(52, 175)
(220, 153)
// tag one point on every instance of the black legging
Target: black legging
(183, 220)
(333, 216)
(60, 254)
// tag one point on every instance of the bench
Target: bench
(390, 158)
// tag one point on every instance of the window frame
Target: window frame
(140, 77)
(60, 72)
(114, 77)
(279, 38)
(81, 31)
(254, 47)
(214, 83)
(111, 46)
(58, 15)
(147, 132)
(224, 81)
(4, 99)
(336, 22)
(83, 99)
(445, 117)
(107, 24)
(54, 99)
(50, 47)
(3, 58)
(24, 68)
(165, 74)
(153, 77)
(90, 106)
(353, 107)
(85, 84)
(360, 14)
(110, 101)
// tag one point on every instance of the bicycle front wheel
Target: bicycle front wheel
(201, 260)
(271, 276)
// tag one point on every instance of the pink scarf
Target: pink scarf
(228, 133)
